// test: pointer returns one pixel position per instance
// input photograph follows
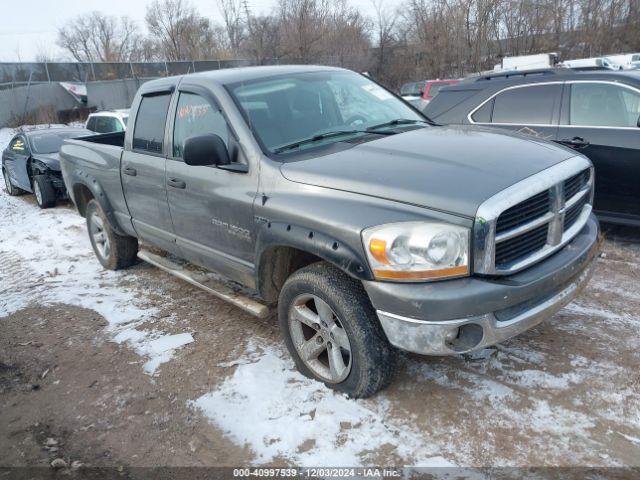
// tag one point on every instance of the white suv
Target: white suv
(108, 121)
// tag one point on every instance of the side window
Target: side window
(483, 114)
(196, 116)
(526, 105)
(91, 124)
(603, 104)
(148, 133)
(19, 146)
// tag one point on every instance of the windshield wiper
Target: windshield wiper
(393, 123)
(322, 136)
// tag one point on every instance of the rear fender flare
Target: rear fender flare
(88, 181)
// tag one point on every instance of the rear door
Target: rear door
(600, 120)
(16, 157)
(532, 109)
(211, 208)
(143, 172)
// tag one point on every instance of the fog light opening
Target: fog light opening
(464, 338)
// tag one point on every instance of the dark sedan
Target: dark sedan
(594, 113)
(30, 163)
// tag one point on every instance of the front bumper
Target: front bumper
(457, 316)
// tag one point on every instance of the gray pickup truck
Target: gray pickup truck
(323, 193)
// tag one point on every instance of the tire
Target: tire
(344, 310)
(114, 251)
(44, 192)
(9, 187)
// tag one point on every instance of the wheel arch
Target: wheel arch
(283, 248)
(87, 188)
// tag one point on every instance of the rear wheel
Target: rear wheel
(113, 251)
(44, 192)
(332, 332)
(11, 190)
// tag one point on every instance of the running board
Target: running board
(207, 284)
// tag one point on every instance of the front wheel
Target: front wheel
(113, 251)
(332, 332)
(44, 191)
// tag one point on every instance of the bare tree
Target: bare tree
(180, 33)
(234, 15)
(263, 39)
(385, 32)
(97, 37)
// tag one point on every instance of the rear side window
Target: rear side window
(148, 133)
(527, 105)
(483, 114)
(196, 116)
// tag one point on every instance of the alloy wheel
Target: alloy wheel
(37, 192)
(320, 338)
(99, 236)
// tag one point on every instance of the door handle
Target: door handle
(130, 171)
(575, 142)
(176, 183)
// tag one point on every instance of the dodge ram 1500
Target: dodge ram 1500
(371, 228)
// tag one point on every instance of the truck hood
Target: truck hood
(451, 169)
(51, 160)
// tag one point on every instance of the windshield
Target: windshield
(288, 109)
(51, 142)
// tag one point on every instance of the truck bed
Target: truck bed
(98, 157)
(115, 138)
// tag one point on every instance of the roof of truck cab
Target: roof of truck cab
(232, 75)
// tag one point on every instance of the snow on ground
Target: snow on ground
(562, 394)
(5, 137)
(300, 420)
(50, 253)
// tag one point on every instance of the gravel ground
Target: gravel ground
(136, 368)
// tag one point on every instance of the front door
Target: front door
(211, 208)
(143, 173)
(600, 120)
(15, 161)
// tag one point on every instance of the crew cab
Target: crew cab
(322, 194)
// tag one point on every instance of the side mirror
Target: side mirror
(203, 150)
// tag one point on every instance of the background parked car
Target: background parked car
(30, 163)
(108, 121)
(412, 91)
(431, 89)
(595, 113)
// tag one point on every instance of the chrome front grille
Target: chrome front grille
(534, 218)
(515, 248)
(529, 210)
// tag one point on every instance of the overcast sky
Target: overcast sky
(39, 20)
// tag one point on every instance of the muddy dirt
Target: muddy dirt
(80, 379)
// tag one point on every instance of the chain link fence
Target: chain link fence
(16, 74)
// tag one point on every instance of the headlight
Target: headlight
(417, 251)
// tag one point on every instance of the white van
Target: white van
(626, 61)
(595, 63)
(527, 62)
